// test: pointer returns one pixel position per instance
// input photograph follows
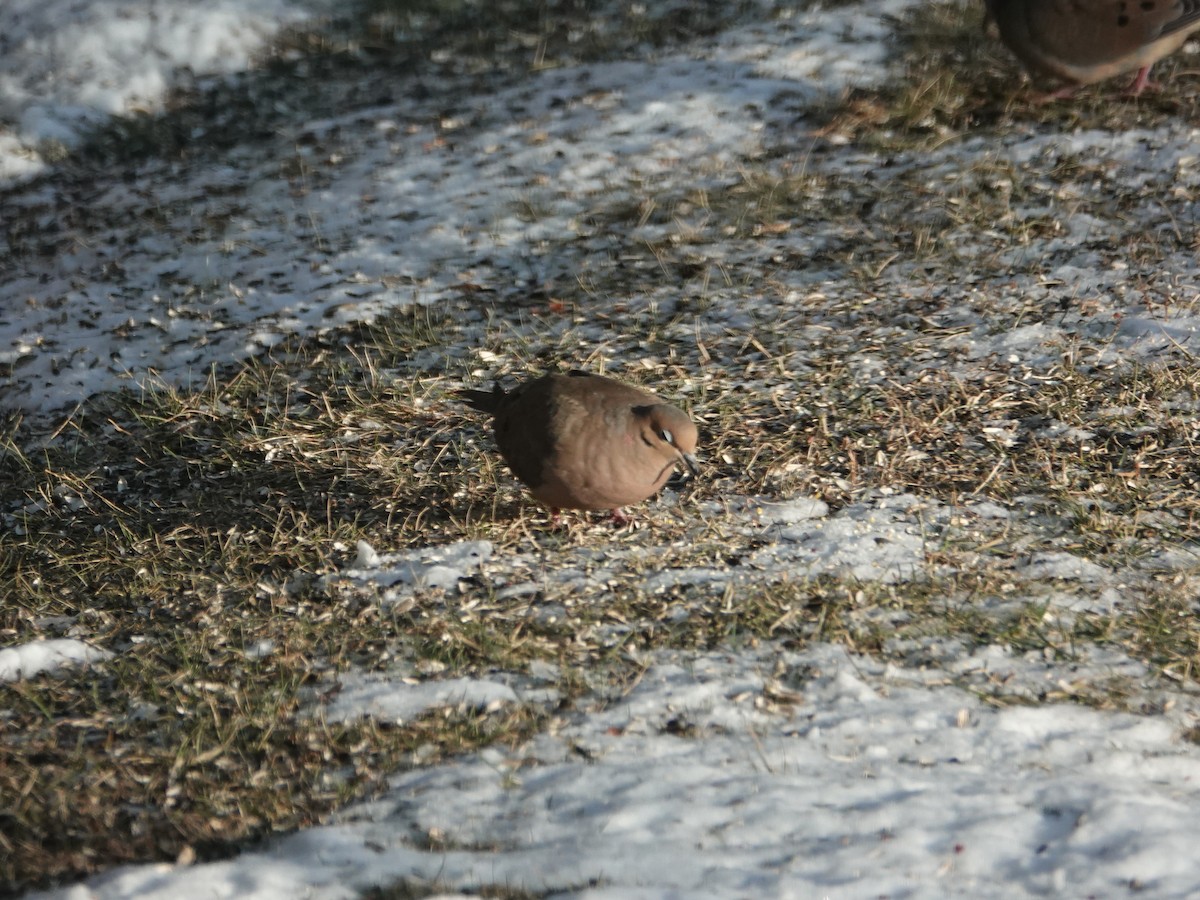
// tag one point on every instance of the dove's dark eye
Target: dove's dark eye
(666, 436)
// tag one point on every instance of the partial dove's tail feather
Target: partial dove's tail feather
(484, 401)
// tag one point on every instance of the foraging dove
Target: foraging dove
(583, 441)
(1085, 41)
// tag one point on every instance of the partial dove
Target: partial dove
(1085, 41)
(582, 441)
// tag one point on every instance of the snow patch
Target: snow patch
(66, 65)
(397, 575)
(36, 657)
(388, 699)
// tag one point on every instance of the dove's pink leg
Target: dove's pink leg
(1141, 81)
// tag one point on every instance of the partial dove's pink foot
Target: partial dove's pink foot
(1142, 82)
(1063, 93)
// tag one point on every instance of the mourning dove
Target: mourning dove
(582, 441)
(1085, 41)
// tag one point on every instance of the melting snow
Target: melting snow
(831, 776)
(755, 772)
